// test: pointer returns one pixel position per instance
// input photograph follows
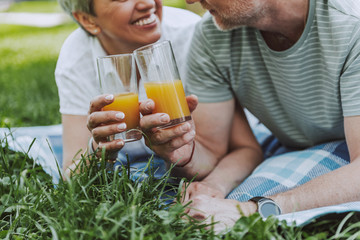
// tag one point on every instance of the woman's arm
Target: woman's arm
(75, 140)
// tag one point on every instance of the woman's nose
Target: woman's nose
(145, 4)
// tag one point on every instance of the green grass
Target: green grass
(36, 7)
(28, 93)
(97, 204)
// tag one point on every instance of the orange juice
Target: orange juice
(128, 103)
(169, 97)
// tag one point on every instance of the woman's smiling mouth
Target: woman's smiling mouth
(146, 21)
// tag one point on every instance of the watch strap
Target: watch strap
(258, 200)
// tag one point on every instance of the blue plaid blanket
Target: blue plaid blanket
(42, 143)
(284, 168)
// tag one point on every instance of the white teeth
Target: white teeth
(146, 21)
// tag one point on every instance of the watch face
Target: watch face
(269, 208)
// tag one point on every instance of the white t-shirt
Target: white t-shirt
(76, 72)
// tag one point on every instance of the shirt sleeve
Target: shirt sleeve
(75, 73)
(73, 94)
(205, 76)
(350, 78)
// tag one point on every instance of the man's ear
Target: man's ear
(87, 22)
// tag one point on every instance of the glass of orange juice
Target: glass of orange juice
(162, 83)
(117, 76)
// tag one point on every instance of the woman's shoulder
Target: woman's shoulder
(177, 17)
(79, 40)
(76, 38)
(78, 47)
(178, 24)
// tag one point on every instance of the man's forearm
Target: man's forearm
(233, 169)
(339, 186)
(202, 162)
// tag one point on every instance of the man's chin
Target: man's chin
(223, 26)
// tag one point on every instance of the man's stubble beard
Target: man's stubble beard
(237, 15)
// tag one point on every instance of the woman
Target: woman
(108, 27)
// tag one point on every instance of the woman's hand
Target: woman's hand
(104, 124)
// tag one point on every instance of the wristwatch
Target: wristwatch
(266, 206)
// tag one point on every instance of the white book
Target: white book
(305, 217)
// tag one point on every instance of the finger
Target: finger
(151, 121)
(181, 141)
(185, 193)
(96, 119)
(112, 146)
(196, 214)
(100, 101)
(192, 102)
(101, 133)
(147, 107)
(163, 136)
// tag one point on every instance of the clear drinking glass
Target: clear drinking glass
(117, 75)
(160, 75)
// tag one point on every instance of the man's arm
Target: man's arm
(213, 128)
(339, 186)
(336, 187)
(243, 156)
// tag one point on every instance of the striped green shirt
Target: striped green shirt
(300, 94)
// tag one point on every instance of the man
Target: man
(295, 65)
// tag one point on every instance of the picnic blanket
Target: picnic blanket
(41, 143)
(289, 169)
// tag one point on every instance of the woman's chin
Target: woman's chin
(151, 38)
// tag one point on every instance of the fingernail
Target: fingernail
(164, 118)
(120, 143)
(109, 97)
(122, 126)
(120, 115)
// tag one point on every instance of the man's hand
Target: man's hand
(194, 189)
(223, 211)
(173, 144)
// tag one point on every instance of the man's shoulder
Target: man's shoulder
(342, 16)
(349, 8)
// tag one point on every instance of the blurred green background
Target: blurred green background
(28, 55)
